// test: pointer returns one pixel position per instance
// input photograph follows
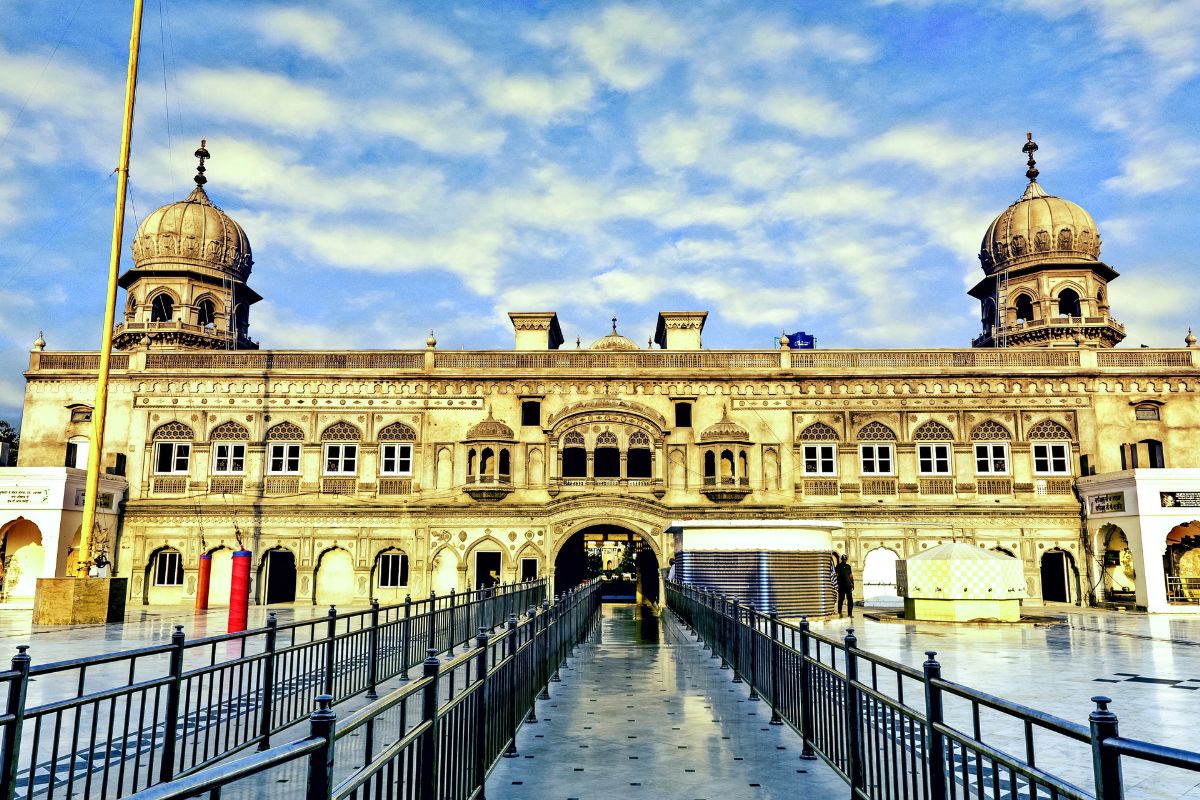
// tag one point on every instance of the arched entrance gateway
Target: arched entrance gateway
(622, 557)
(1181, 564)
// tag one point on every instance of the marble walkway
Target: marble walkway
(644, 712)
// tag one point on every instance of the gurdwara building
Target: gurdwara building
(358, 475)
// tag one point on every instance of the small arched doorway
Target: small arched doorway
(22, 560)
(334, 581)
(622, 558)
(277, 576)
(444, 573)
(1058, 569)
(879, 574)
(1181, 562)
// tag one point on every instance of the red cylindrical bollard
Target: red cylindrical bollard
(202, 581)
(239, 591)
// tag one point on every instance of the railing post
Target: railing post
(267, 701)
(166, 764)
(775, 695)
(935, 749)
(330, 642)
(737, 641)
(547, 651)
(1106, 764)
(12, 736)
(450, 628)
(373, 652)
(427, 769)
(806, 701)
(405, 636)
(752, 621)
(481, 709)
(712, 624)
(723, 625)
(560, 655)
(533, 645)
(320, 762)
(853, 722)
(512, 715)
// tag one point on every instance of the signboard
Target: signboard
(1179, 499)
(24, 497)
(1108, 503)
(104, 500)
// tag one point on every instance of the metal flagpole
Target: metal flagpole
(98, 412)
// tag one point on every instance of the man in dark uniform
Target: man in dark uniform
(844, 575)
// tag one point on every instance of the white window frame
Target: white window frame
(229, 458)
(1056, 458)
(400, 571)
(877, 458)
(80, 445)
(819, 454)
(986, 452)
(398, 453)
(284, 452)
(160, 568)
(340, 458)
(181, 457)
(933, 455)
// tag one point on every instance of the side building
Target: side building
(354, 475)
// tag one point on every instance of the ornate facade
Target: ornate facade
(352, 475)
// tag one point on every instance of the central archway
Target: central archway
(620, 556)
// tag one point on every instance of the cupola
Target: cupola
(187, 288)
(614, 341)
(1044, 284)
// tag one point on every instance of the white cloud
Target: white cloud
(408, 33)
(803, 113)
(538, 98)
(671, 141)
(275, 102)
(447, 128)
(313, 33)
(1155, 167)
(777, 41)
(933, 146)
(627, 46)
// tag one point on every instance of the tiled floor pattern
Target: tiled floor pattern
(644, 712)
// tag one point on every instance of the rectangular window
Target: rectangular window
(683, 415)
(171, 458)
(284, 459)
(85, 415)
(933, 459)
(531, 413)
(1051, 458)
(72, 454)
(820, 459)
(529, 569)
(229, 458)
(991, 458)
(395, 459)
(876, 459)
(1154, 451)
(341, 459)
(168, 569)
(393, 570)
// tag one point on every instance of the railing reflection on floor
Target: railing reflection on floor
(893, 732)
(112, 724)
(1185, 591)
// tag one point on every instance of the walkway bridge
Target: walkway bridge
(709, 698)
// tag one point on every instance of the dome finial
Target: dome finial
(1190, 339)
(1030, 148)
(203, 155)
(614, 321)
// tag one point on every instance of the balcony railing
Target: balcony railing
(289, 484)
(1183, 591)
(936, 486)
(339, 485)
(169, 485)
(820, 487)
(992, 486)
(879, 487)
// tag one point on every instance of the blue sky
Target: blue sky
(401, 167)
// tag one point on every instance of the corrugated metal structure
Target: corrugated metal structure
(792, 583)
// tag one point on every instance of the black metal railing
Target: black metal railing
(893, 732)
(434, 738)
(113, 724)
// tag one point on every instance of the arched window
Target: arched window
(727, 465)
(487, 462)
(989, 314)
(341, 449)
(471, 464)
(206, 316)
(172, 449)
(710, 464)
(1025, 308)
(639, 462)
(990, 443)
(1068, 303)
(77, 452)
(819, 451)
(229, 448)
(396, 449)
(168, 567)
(391, 569)
(743, 465)
(162, 307)
(607, 458)
(505, 464)
(574, 456)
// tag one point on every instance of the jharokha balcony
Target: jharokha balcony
(725, 489)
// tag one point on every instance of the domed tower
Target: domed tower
(1044, 284)
(187, 288)
(614, 341)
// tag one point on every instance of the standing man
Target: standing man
(844, 575)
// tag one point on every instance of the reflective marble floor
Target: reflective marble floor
(644, 712)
